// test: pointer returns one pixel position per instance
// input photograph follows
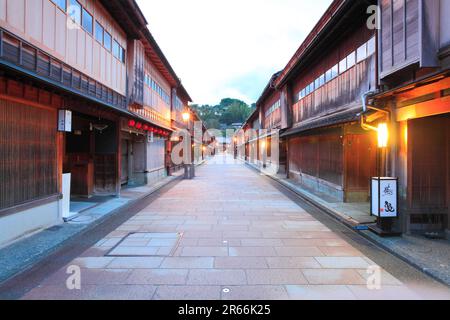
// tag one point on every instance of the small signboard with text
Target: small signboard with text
(65, 121)
(384, 197)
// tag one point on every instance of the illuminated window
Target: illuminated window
(99, 31)
(332, 73)
(371, 47)
(351, 60)
(75, 11)
(343, 66)
(322, 80)
(361, 53)
(61, 3)
(116, 49)
(88, 21)
(317, 83)
(107, 41)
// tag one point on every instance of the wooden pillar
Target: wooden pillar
(448, 178)
(60, 152)
(118, 158)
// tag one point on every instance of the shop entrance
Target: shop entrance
(126, 150)
(429, 176)
(133, 159)
(90, 158)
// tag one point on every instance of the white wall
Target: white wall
(15, 226)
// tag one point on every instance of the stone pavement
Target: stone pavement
(228, 234)
(26, 252)
(427, 255)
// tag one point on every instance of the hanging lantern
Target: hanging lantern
(131, 123)
(145, 127)
(138, 125)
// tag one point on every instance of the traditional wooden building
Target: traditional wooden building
(96, 61)
(414, 70)
(327, 150)
(248, 144)
(348, 77)
(271, 107)
(157, 97)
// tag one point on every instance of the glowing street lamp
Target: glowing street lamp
(186, 116)
(383, 135)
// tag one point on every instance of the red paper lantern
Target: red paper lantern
(138, 125)
(145, 127)
(131, 123)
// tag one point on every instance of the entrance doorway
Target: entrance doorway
(428, 173)
(126, 145)
(91, 159)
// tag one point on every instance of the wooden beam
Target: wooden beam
(425, 109)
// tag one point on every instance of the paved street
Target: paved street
(233, 234)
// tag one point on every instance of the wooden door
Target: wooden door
(124, 162)
(428, 165)
(360, 162)
(105, 174)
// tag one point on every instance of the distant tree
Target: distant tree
(237, 112)
(227, 112)
(212, 123)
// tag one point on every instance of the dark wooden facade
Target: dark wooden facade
(28, 147)
(414, 72)
(49, 61)
(327, 149)
(404, 68)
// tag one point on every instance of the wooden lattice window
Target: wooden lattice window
(28, 160)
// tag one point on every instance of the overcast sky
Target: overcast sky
(229, 48)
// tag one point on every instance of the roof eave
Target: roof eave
(314, 36)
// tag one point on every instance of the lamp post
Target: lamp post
(186, 116)
(188, 168)
(384, 205)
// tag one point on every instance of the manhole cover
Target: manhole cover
(146, 245)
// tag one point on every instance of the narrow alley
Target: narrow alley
(231, 234)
